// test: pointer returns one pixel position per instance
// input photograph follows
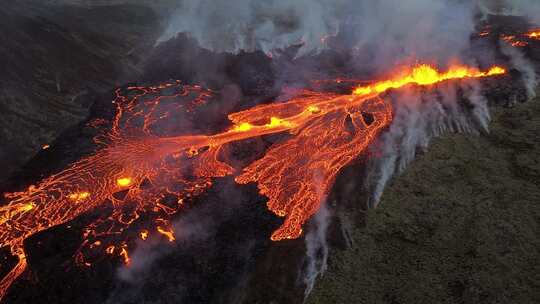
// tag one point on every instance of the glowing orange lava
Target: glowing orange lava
(534, 34)
(139, 170)
(124, 254)
(518, 40)
(144, 235)
(514, 41)
(123, 182)
(484, 33)
(168, 233)
(427, 75)
(110, 249)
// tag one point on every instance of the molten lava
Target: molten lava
(484, 33)
(427, 75)
(514, 41)
(534, 34)
(168, 233)
(123, 182)
(139, 171)
(519, 40)
(144, 235)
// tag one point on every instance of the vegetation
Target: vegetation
(460, 225)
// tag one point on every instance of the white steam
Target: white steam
(235, 25)
(417, 27)
(524, 66)
(384, 32)
(316, 249)
(419, 117)
(187, 229)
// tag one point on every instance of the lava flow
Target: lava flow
(534, 34)
(516, 40)
(138, 170)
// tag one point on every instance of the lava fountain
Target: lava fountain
(328, 131)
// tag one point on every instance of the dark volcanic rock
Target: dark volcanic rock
(54, 58)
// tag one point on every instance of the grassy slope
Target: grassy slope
(461, 225)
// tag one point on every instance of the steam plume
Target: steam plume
(524, 66)
(250, 25)
(418, 119)
(419, 27)
(316, 249)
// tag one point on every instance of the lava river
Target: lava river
(327, 131)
